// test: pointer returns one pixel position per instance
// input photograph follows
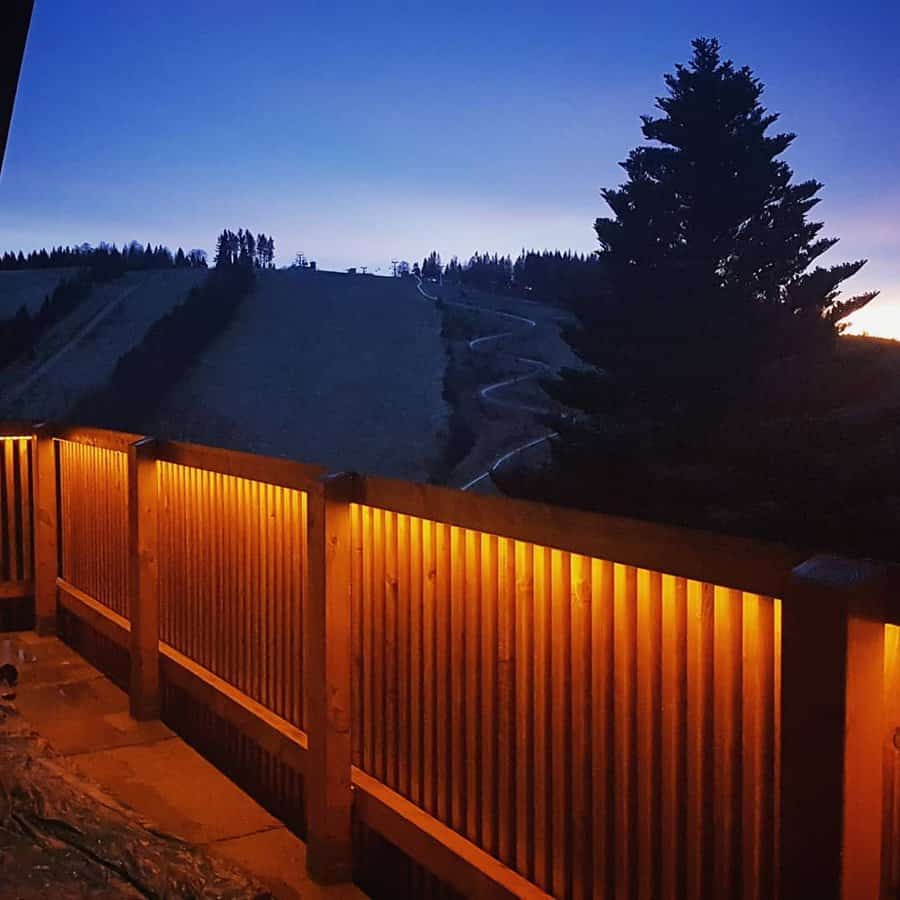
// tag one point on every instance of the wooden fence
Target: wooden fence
(524, 701)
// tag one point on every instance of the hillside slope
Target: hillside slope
(80, 352)
(341, 370)
(28, 288)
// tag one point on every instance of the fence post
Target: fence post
(46, 530)
(327, 679)
(832, 731)
(143, 591)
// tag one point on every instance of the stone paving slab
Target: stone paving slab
(146, 767)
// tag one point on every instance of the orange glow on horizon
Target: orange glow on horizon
(881, 318)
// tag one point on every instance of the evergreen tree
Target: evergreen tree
(431, 265)
(707, 254)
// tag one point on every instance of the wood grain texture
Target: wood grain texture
(93, 530)
(232, 582)
(16, 510)
(600, 729)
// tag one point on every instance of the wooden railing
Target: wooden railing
(524, 700)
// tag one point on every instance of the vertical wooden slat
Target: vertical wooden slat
(525, 699)
(559, 690)
(580, 710)
(6, 510)
(758, 738)
(625, 728)
(379, 693)
(18, 566)
(487, 787)
(727, 673)
(541, 736)
(26, 460)
(367, 628)
(456, 699)
(415, 717)
(649, 661)
(472, 679)
(674, 736)
(358, 620)
(700, 835)
(403, 747)
(507, 761)
(8, 476)
(391, 626)
(430, 765)
(46, 534)
(443, 675)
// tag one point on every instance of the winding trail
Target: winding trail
(486, 393)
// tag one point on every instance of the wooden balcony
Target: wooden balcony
(444, 691)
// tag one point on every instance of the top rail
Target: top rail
(729, 561)
(733, 562)
(266, 469)
(13, 429)
(95, 437)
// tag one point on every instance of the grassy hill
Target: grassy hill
(28, 288)
(80, 351)
(336, 369)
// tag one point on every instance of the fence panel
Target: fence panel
(16, 484)
(603, 730)
(93, 485)
(232, 570)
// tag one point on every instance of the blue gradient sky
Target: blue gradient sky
(358, 132)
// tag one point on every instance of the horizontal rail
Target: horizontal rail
(265, 469)
(285, 742)
(741, 563)
(16, 430)
(438, 848)
(16, 590)
(99, 617)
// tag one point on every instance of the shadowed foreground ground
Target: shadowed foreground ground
(74, 818)
(61, 836)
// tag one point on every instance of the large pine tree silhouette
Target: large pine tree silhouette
(708, 252)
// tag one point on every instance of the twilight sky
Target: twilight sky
(361, 131)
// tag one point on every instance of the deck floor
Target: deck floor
(146, 766)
